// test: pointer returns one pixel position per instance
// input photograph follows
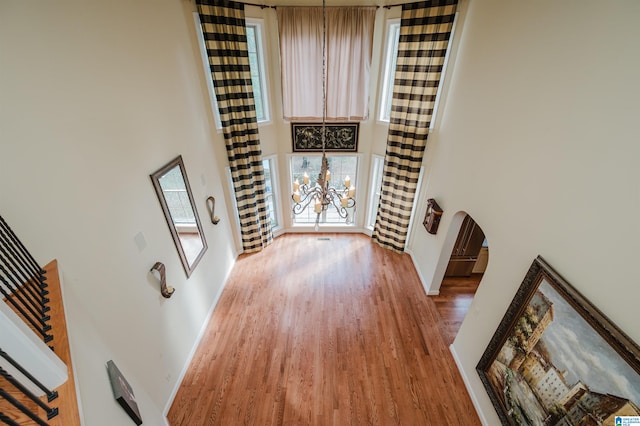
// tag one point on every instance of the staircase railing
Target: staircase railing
(23, 288)
(22, 282)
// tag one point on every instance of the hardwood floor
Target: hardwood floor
(453, 302)
(324, 329)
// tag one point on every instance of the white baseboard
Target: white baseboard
(328, 229)
(472, 395)
(194, 348)
(422, 280)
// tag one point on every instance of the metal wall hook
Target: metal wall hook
(211, 206)
(167, 291)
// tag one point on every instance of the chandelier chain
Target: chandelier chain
(324, 75)
(322, 195)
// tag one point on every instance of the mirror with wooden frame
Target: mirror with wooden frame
(174, 193)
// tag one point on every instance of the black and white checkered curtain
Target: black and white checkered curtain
(425, 30)
(224, 29)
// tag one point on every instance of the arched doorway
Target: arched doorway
(464, 258)
(470, 253)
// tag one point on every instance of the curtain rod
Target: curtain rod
(261, 6)
(389, 6)
(265, 6)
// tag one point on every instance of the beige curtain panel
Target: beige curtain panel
(348, 61)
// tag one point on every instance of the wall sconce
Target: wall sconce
(432, 216)
(211, 206)
(165, 290)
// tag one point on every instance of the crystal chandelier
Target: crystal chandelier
(322, 196)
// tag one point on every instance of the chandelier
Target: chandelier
(322, 197)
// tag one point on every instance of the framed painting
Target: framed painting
(555, 359)
(340, 137)
(123, 393)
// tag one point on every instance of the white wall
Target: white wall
(95, 96)
(538, 142)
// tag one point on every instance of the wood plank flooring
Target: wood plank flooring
(454, 300)
(324, 329)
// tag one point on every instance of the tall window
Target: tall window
(256, 62)
(374, 190)
(391, 59)
(271, 185)
(269, 165)
(340, 166)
